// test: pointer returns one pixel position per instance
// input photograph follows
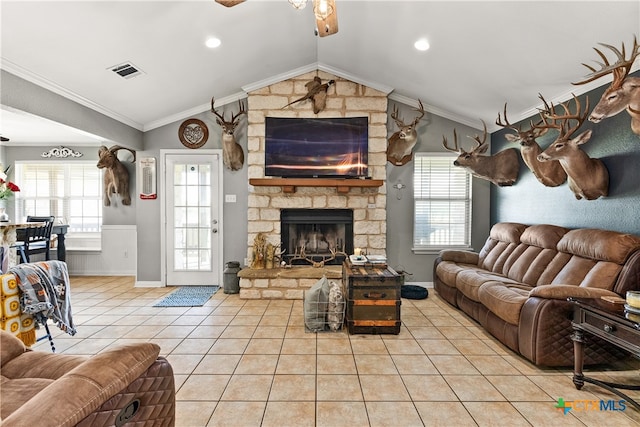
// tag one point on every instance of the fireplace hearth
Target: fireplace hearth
(316, 233)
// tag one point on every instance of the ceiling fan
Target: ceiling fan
(3, 138)
(324, 10)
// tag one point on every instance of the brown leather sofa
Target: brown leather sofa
(128, 385)
(517, 286)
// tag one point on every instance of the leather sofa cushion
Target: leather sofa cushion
(544, 236)
(469, 281)
(504, 300)
(16, 392)
(447, 272)
(602, 245)
(503, 239)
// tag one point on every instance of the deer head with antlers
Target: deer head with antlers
(501, 168)
(232, 153)
(549, 173)
(623, 93)
(401, 143)
(588, 178)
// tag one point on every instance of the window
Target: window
(442, 198)
(72, 192)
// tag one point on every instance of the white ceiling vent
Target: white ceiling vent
(126, 70)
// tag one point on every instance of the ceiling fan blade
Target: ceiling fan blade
(229, 3)
(4, 139)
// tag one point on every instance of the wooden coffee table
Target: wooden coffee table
(609, 322)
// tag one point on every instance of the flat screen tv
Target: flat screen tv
(316, 147)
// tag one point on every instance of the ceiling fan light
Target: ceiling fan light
(323, 8)
(298, 4)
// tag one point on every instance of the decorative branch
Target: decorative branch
(61, 151)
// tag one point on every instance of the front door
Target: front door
(192, 219)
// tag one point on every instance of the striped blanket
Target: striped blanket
(45, 292)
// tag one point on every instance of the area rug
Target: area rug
(188, 296)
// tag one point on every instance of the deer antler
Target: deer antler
(506, 123)
(445, 143)
(240, 112)
(564, 119)
(213, 110)
(620, 69)
(400, 122)
(420, 109)
(476, 138)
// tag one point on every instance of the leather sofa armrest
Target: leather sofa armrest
(464, 257)
(82, 390)
(563, 292)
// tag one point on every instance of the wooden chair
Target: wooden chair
(35, 240)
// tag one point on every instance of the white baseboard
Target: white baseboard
(148, 284)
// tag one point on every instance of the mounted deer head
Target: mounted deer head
(232, 153)
(401, 143)
(588, 178)
(501, 168)
(549, 173)
(116, 176)
(624, 92)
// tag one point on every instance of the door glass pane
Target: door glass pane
(192, 217)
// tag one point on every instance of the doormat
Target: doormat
(188, 296)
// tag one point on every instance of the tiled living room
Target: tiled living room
(531, 262)
(251, 363)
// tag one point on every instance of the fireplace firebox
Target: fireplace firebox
(316, 233)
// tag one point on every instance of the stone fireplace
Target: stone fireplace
(267, 204)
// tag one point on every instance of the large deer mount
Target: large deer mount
(501, 169)
(232, 153)
(549, 173)
(402, 142)
(588, 178)
(623, 93)
(116, 175)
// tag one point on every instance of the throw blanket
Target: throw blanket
(12, 319)
(46, 293)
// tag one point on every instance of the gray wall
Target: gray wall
(25, 96)
(612, 142)
(234, 214)
(400, 212)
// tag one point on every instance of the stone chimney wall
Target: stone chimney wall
(344, 99)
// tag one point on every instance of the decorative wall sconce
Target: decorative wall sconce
(61, 152)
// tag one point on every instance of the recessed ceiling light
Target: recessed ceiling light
(421, 45)
(213, 42)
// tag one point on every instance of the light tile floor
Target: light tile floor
(251, 363)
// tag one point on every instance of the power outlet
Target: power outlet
(371, 205)
(230, 198)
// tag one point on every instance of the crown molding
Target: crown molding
(38, 80)
(194, 111)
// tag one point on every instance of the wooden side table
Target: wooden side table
(608, 322)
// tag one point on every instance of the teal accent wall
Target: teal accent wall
(612, 141)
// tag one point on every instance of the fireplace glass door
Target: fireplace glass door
(316, 234)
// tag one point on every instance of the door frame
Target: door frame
(163, 214)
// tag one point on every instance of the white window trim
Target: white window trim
(436, 249)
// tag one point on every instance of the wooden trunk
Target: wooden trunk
(373, 299)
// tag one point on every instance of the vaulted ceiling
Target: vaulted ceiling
(482, 54)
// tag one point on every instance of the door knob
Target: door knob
(214, 230)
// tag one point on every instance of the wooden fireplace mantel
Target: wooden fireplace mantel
(289, 184)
